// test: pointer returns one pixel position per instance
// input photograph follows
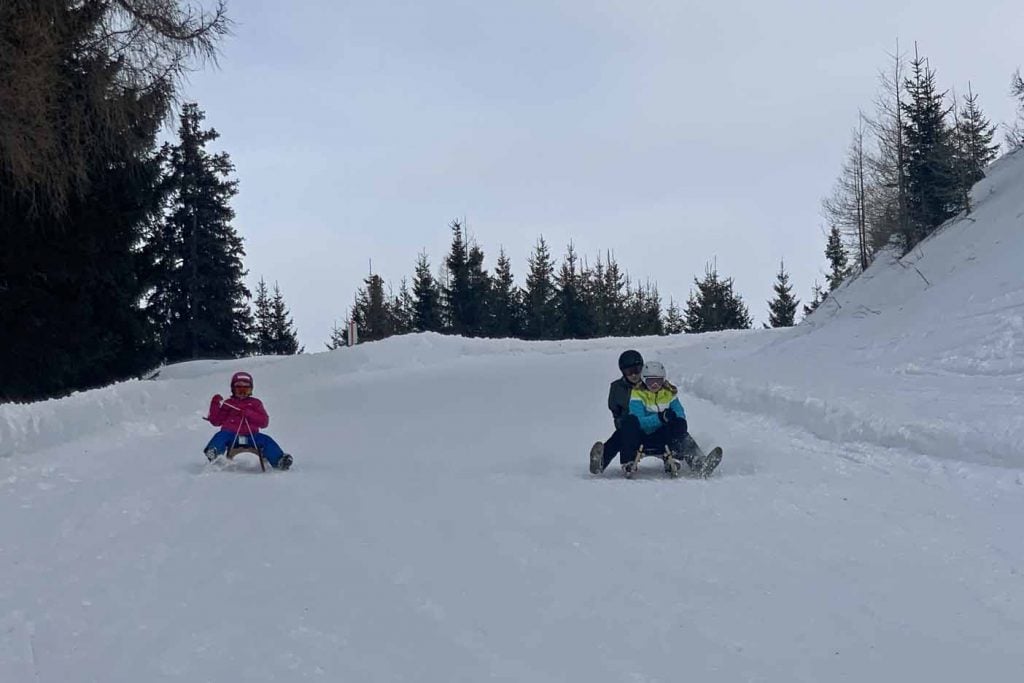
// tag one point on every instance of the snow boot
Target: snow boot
(211, 454)
(597, 458)
(285, 462)
(629, 469)
(709, 462)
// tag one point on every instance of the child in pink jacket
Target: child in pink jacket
(240, 419)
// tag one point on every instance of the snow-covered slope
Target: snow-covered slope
(440, 524)
(925, 352)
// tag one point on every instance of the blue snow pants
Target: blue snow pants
(222, 441)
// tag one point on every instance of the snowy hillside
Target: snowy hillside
(924, 353)
(440, 524)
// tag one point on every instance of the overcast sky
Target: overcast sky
(671, 133)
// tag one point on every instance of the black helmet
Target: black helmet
(630, 358)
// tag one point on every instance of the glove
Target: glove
(215, 403)
(667, 416)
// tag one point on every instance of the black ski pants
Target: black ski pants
(628, 438)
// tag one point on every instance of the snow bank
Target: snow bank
(924, 352)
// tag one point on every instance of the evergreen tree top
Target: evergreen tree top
(783, 306)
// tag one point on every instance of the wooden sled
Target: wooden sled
(672, 461)
(248, 449)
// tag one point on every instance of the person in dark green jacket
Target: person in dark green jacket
(630, 365)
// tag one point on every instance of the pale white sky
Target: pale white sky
(672, 133)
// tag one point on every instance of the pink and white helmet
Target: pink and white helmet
(241, 378)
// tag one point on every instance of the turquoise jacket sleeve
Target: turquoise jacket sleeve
(677, 407)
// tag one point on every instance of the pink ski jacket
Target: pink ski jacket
(229, 414)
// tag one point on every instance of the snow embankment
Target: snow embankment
(889, 418)
(924, 353)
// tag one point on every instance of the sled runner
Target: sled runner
(673, 465)
(701, 464)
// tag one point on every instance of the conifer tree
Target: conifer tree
(715, 306)
(932, 194)
(629, 325)
(835, 252)
(614, 296)
(595, 299)
(371, 312)
(456, 289)
(338, 338)
(443, 279)
(652, 313)
(643, 306)
(540, 298)
(403, 309)
(426, 298)
(466, 290)
(72, 287)
(976, 132)
(284, 339)
(202, 300)
(818, 297)
(81, 105)
(572, 310)
(263, 316)
(974, 149)
(479, 291)
(505, 303)
(783, 307)
(674, 322)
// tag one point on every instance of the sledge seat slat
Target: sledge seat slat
(248, 449)
(243, 449)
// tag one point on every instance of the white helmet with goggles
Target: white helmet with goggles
(653, 370)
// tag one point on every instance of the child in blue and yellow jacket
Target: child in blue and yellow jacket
(656, 417)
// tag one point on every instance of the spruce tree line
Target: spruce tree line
(567, 300)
